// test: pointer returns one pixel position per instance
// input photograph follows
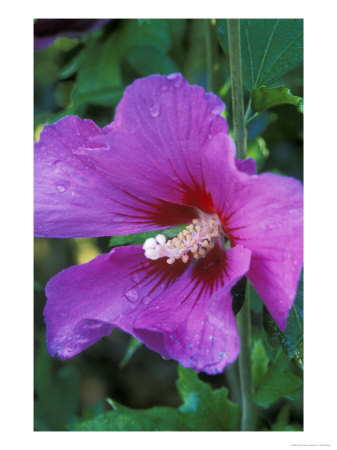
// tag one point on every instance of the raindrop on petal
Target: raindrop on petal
(155, 110)
(136, 278)
(146, 300)
(60, 188)
(131, 295)
(172, 76)
(117, 219)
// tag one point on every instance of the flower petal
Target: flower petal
(76, 189)
(142, 172)
(193, 317)
(263, 213)
(246, 165)
(126, 290)
(165, 124)
(85, 302)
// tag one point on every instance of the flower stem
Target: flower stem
(209, 55)
(248, 409)
(240, 134)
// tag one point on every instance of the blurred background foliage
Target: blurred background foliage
(83, 69)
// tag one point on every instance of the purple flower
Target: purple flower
(165, 160)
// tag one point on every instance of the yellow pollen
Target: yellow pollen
(197, 238)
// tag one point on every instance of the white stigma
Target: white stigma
(196, 239)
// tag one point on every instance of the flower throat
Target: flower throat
(197, 239)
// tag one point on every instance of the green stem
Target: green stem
(209, 54)
(240, 135)
(248, 417)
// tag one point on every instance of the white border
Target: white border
(320, 225)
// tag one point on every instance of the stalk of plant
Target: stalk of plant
(248, 418)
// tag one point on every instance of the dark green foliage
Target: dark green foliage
(56, 398)
(203, 409)
(269, 48)
(277, 382)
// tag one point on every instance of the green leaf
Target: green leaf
(260, 361)
(99, 79)
(126, 419)
(269, 48)
(154, 33)
(278, 382)
(203, 409)
(140, 238)
(149, 59)
(292, 338)
(206, 409)
(265, 98)
(134, 345)
(72, 66)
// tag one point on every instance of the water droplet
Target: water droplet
(136, 278)
(60, 188)
(211, 338)
(155, 110)
(172, 76)
(132, 295)
(221, 355)
(146, 300)
(117, 219)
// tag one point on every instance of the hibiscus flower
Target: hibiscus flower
(165, 160)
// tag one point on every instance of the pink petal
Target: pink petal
(193, 317)
(126, 290)
(165, 124)
(77, 192)
(140, 173)
(263, 213)
(86, 302)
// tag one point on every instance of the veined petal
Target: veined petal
(85, 302)
(161, 128)
(193, 318)
(265, 214)
(77, 192)
(125, 289)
